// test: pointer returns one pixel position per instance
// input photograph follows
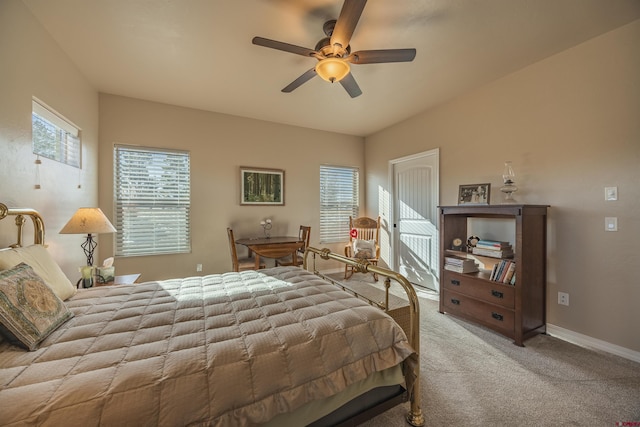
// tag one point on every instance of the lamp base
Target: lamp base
(508, 191)
(89, 246)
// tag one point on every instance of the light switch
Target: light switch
(611, 223)
(610, 193)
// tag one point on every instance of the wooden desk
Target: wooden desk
(273, 247)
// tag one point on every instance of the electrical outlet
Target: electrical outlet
(198, 267)
(611, 223)
(563, 298)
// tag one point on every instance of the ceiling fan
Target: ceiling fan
(334, 53)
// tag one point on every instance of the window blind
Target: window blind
(153, 201)
(339, 199)
(53, 136)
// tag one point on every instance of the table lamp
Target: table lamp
(88, 221)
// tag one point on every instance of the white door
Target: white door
(415, 218)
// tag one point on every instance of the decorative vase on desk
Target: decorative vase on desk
(266, 226)
(509, 187)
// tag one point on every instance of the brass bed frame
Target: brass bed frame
(407, 317)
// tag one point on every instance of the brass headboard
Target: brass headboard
(19, 213)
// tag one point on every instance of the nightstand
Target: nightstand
(127, 279)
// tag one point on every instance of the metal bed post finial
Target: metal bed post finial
(19, 213)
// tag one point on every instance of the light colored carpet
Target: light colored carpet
(471, 376)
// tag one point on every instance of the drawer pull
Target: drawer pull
(497, 316)
(497, 294)
(455, 301)
(455, 282)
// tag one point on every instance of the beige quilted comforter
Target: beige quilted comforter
(232, 349)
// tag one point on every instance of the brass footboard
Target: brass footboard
(19, 213)
(414, 417)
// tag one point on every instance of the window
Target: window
(53, 136)
(153, 201)
(339, 187)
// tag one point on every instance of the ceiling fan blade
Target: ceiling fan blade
(298, 50)
(347, 21)
(349, 84)
(383, 55)
(300, 80)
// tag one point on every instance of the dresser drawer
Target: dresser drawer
(485, 290)
(496, 317)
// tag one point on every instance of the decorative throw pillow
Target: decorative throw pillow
(43, 264)
(364, 249)
(29, 309)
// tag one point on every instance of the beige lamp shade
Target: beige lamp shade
(88, 221)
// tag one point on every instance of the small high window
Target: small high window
(54, 136)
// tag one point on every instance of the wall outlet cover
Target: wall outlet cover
(563, 298)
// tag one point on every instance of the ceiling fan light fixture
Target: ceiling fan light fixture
(332, 69)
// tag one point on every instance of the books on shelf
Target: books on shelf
(461, 269)
(492, 244)
(460, 265)
(493, 248)
(504, 272)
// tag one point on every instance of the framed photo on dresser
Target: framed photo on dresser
(474, 194)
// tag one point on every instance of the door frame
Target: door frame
(392, 197)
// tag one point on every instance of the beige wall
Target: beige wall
(32, 64)
(570, 124)
(219, 144)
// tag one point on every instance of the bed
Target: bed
(279, 346)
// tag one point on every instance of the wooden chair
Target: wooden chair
(304, 234)
(364, 239)
(242, 263)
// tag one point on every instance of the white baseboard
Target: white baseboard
(592, 343)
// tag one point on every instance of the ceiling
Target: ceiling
(198, 53)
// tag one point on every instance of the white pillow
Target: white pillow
(40, 260)
(364, 248)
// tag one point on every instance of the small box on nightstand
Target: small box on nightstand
(104, 275)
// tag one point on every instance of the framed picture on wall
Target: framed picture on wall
(259, 186)
(474, 194)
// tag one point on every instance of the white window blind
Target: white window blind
(339, 188)
(53, 136)
(153, 201)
